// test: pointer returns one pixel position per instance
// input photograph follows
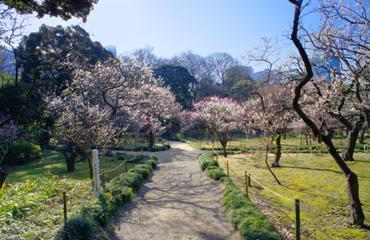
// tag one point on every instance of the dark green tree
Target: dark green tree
(43, 59)
(242, 90)
(180, 81)
(234, 74)
(64, 9)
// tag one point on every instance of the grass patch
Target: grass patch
(244, 215)
(93, 218)
(317, 181)
(290, 145)
(31, 205)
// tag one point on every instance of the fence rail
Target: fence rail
(246, 182)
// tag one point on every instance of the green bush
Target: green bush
(95, 212)
(215, 173)
(143, 169)
(133, 180)
(150, 162)
(22, 153)
(245, 216)
(206, 160)
(159, 146)
(93, 219)
(81, 229)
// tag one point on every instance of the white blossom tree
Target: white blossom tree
(157, 106)
(340, 10)
(103, 99)
(221, 115)
(10, 133)
(270, 111)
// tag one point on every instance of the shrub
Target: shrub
(250, 222)
(206, 160)
(244, 215)
(143, 169)
(81, 229)
(215, 173)
(22, 153)
(93, 218)
(150, 162)
(95, 212)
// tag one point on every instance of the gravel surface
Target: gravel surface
(179, 202)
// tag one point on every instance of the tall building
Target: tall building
(112, 49)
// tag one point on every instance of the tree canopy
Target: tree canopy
(64, 9)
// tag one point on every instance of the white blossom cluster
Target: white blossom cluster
(102, 100)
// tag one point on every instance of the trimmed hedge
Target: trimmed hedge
(160, 146)
(286, 149)
(215, 173)
(22, 153)
(244, 215)
(206, 160)
(92, 222)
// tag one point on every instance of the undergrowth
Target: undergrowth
(244, 215)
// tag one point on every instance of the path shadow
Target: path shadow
(191, 193)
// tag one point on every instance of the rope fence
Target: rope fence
(246, 182)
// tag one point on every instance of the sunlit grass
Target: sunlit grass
(31, 205)
(289, 143)
(53, 163)
(317, 181)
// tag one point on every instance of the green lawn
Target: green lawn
(52, 163)
(290, 144)
(31, 205)
(313, 178)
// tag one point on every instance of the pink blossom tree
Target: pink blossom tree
(269, 111)
(157, 106)
(221, 115)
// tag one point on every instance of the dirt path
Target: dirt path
(179, 202)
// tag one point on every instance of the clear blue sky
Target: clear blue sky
(174, 26)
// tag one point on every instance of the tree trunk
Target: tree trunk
(356, 214)
(268, 166)
(351, 141)
(44, 137)
(71, 158)
(85, 153)
(151, 139)
(71, 162)
(224, 149)
(3, 175)
(276, 163)
(224, 144)
(362, 136)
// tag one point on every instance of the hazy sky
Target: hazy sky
(174, 26)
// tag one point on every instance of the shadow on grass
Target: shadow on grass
(313, 169)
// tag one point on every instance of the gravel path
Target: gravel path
(179, 202)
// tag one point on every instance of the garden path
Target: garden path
(179, 202)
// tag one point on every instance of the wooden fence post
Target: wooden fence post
(246, 183)
(65, 206)
(297, 220)
(227, 168)
(249, 180)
